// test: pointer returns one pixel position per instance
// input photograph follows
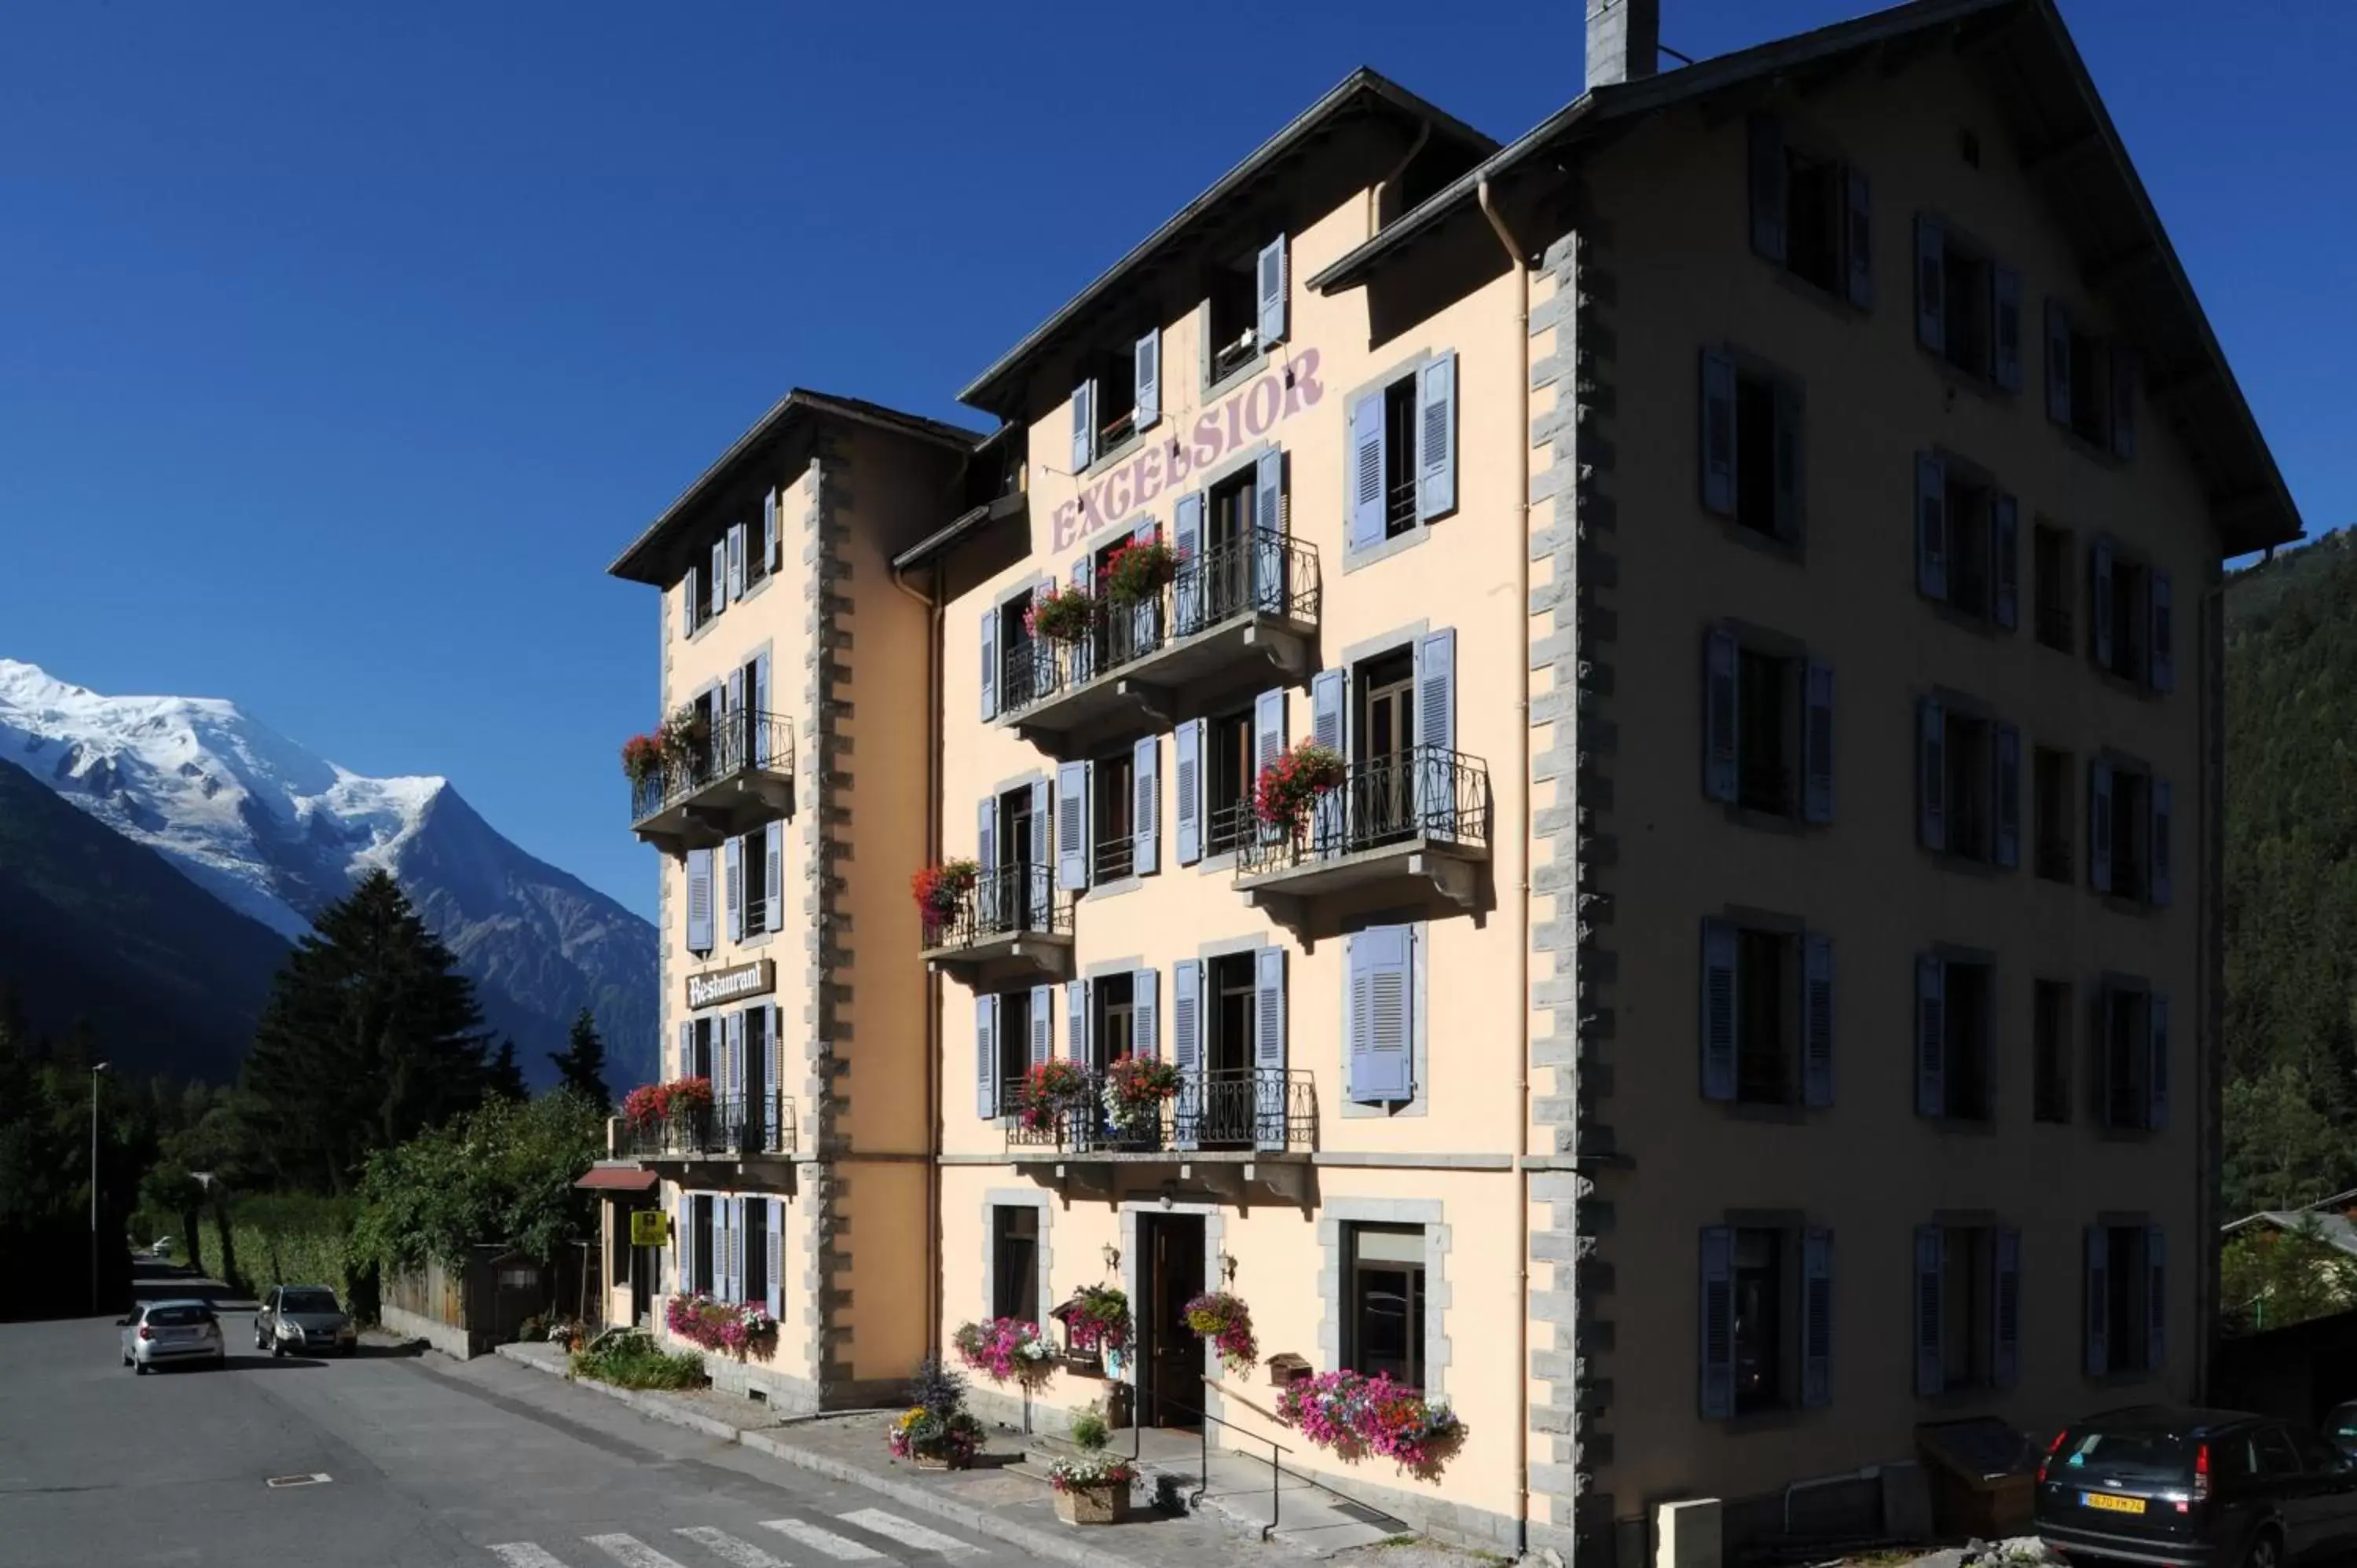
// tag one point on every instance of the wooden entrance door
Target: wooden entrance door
(1170, 1357)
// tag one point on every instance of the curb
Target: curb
(1039, 1542)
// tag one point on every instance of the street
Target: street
(426, 1461)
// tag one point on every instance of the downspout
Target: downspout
(936, 613)
(1376, 192)
(1514, 255)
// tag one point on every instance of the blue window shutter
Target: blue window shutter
(1719, 725)
(1042, 818)
(2127, 370)
(1770, 187)
(770, 531)
(1931, 1262)
(1145, 1004)
(1435, 438)
(1716, 1299)
(1719, 1020)
(2005, 1315)
(1383, 1014)
(775, 1231)
(1790, 452)
(985, 833)
(1817, 1020)
(989, 664)
(2164, 807)
(1930, 1037)
(736, 561)
(2008, 794)
(1859, 214)
(1071, 826)
(1269, 1095)
(2156, 1298)
(1817, 743)
(685, 1066)
(2099, 582)
(1717, 432)
(1271, 275)
(1076, 1021)
(773, 877)
(683, 1242)
(732, 1060)
(1366, 478)
(1146, 834)
(1265, 555)
(732, 856)
(1147, 363)
(2099, 825)
(985, 1057)
(2157, 1064)
(1192, 581)
(1042, 1025)
(1147, 613)
(2097, 1274)
(699, 900)
(719, 574)
(1268, 730)
(2005, 326)
(728, 741)
(1816, 1318)
(2163, 668)
(1187, 743)
(1931, 284)
(1931, 526)
(2058, 361)
(690, 594)
(759, 716)
(1187, 1047)
(1436, 689)
(2004, 547)
(1084, 425)
(1931, 773)
(1326, 697)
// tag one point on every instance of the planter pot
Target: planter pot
(1107, 1503)
(939, 1462)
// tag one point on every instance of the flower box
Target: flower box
(1005, 1349)
(1291, 784)
(1101, 1502)
(939, 889)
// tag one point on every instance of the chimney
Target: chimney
(1623, 37)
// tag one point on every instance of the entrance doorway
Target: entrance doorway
(1169, 1355)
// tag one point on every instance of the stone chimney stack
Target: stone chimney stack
(1623, 38)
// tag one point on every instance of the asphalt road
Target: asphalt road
(430, 1462)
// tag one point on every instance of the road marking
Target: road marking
(630, 1549)
(898, 1528)
(841, 1547)
(316, 1479)
(729, 1549)
(525, 1554)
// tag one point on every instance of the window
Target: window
(1965, 1313)
(2090, 383)
(1232, 305)
(1403, 453)
(2052, 552)
(1767, 1321)
(1111, 1033)
(2130, 820)
(754, 1284)
(1766, 1019)
(1811, 214)
(1017, 1017)
(1967, 1307)
(1967, 540)
(2132, 1067)
(1382, 740)
(1969, 316)
(699, 1049)
(1228, 1044)
(1952, 1038)
(1968, 779)
(1767, 726)
(1014, 1261)
(1766, 1014)
(1113, 788)
(707, 1229)
(2049, 1051)
(1023, 663)
(1760, 1271)
(1399, 456)
(753, 854)
(1116, 399)
(2052, 786)
(1752, 446)
(1230, 781)
(2131, 802)
(2133, 630)
(2126, 1299)
(1383, 1313)
(1967, 305)
(1968, 785)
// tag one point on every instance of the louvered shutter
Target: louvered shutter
(719, 574)
(683, 1242)
(1076, 1021)
(1330, 833)
(1931, 526)
(699, 900)
(1071, 826)
(1082, 653)
(987, 882)
(1384, 956)
(1041, 1021)
(1715, 1296)
(2058, 362)
(1930, 1037)
(1367, 522)
(775, 1273)
(1270, 1106)
(2156, 1298)
(2127, 368)
(1268, 739)
(2096, 1272)
(1435, 733)
(1719, 1020)
(1186, 1047)
(2008, 794)
(2004, 292)
(1719, 725)
(1265, 555)
(1817, 743)
(728, 740)
(1790, 452)
(1931, 284)
(1931, 1262)
(759, 716)
(1859, 211)
(770, 531)
(736, 561)
(1147, 363)
(1270, 273)
(2163, 808)
(2164, 634)
(1145, 832)
(1816, 1318)
(2099, 583)
(1931, 773)
(1717, 432)
(1817, 1020)
(985, 1057)
(732, 852)
(690, 592)
(1042, 819)
(729, 1108)
(2099, 825)
(1146, 612)
(990, 665)
(1084, 425)
(1435, 438)
(2157, 1063)
(685, 1066)
(1144, 1006)
(773, 877)
(1194, 578)
(2005, 1312)
(2005, 547)
(1770, 187)
(1187, 747)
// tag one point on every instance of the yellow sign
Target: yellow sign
(649, 1227)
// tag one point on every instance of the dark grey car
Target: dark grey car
(302, 1318)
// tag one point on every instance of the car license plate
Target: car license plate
(2111, 1504)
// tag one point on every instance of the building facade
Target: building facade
(1742, 979)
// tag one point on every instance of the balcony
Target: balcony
(736, 1127)
(1250, 1128)
(1417, 815)
(739, 774)
(1012, 925)
(1250, 600)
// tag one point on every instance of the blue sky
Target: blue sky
(342, 346)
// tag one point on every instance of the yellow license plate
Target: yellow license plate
(2110, 1503)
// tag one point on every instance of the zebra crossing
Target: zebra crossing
(703, 1544)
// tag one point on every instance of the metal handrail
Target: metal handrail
(1269, 1108)
(1006, 900)
(737, 739)
(1417, 791)
(733, 1124)
(1203, 1465)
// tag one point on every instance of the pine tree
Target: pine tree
(506, 1079)
(371, 1036)
(581, 1066)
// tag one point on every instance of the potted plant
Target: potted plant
(1352, 1415)
(1004, 1350)
(1292, 783)
(935, 1432)
(1060, 613)
(687, 1102)
(1226, 1322)
(939, 889)
(1093, 1486)
(1096, 1320)
(1051, 1087)
(642, 758)
(683, 737)
(1139, 569)
(1135, 1090)
(728, 1326)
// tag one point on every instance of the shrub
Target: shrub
(1089, 1431)
(631, 1362)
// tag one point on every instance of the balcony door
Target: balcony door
(1020, 830)
(1384, 740)
(1225, 1118)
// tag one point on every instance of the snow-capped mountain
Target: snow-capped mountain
(277, 833)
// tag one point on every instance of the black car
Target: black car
(2340, 1426)
(2193, 1489)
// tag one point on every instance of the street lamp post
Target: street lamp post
(95, 1071)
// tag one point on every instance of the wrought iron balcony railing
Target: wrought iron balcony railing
(1008, 901)
(733, 1127)
(1268, 1110)
(1425, 794)
(740, 741)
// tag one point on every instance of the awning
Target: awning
(617, 1179)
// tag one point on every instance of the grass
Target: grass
(631, 1362)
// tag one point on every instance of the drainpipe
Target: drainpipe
(936, 612)
(1376, 192)
(1514, 255)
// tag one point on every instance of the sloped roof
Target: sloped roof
(2068, 144)
(2334, 1229)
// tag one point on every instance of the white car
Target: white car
(162, 1248)
(172, 1331)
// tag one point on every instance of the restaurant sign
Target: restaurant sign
(714, 986)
